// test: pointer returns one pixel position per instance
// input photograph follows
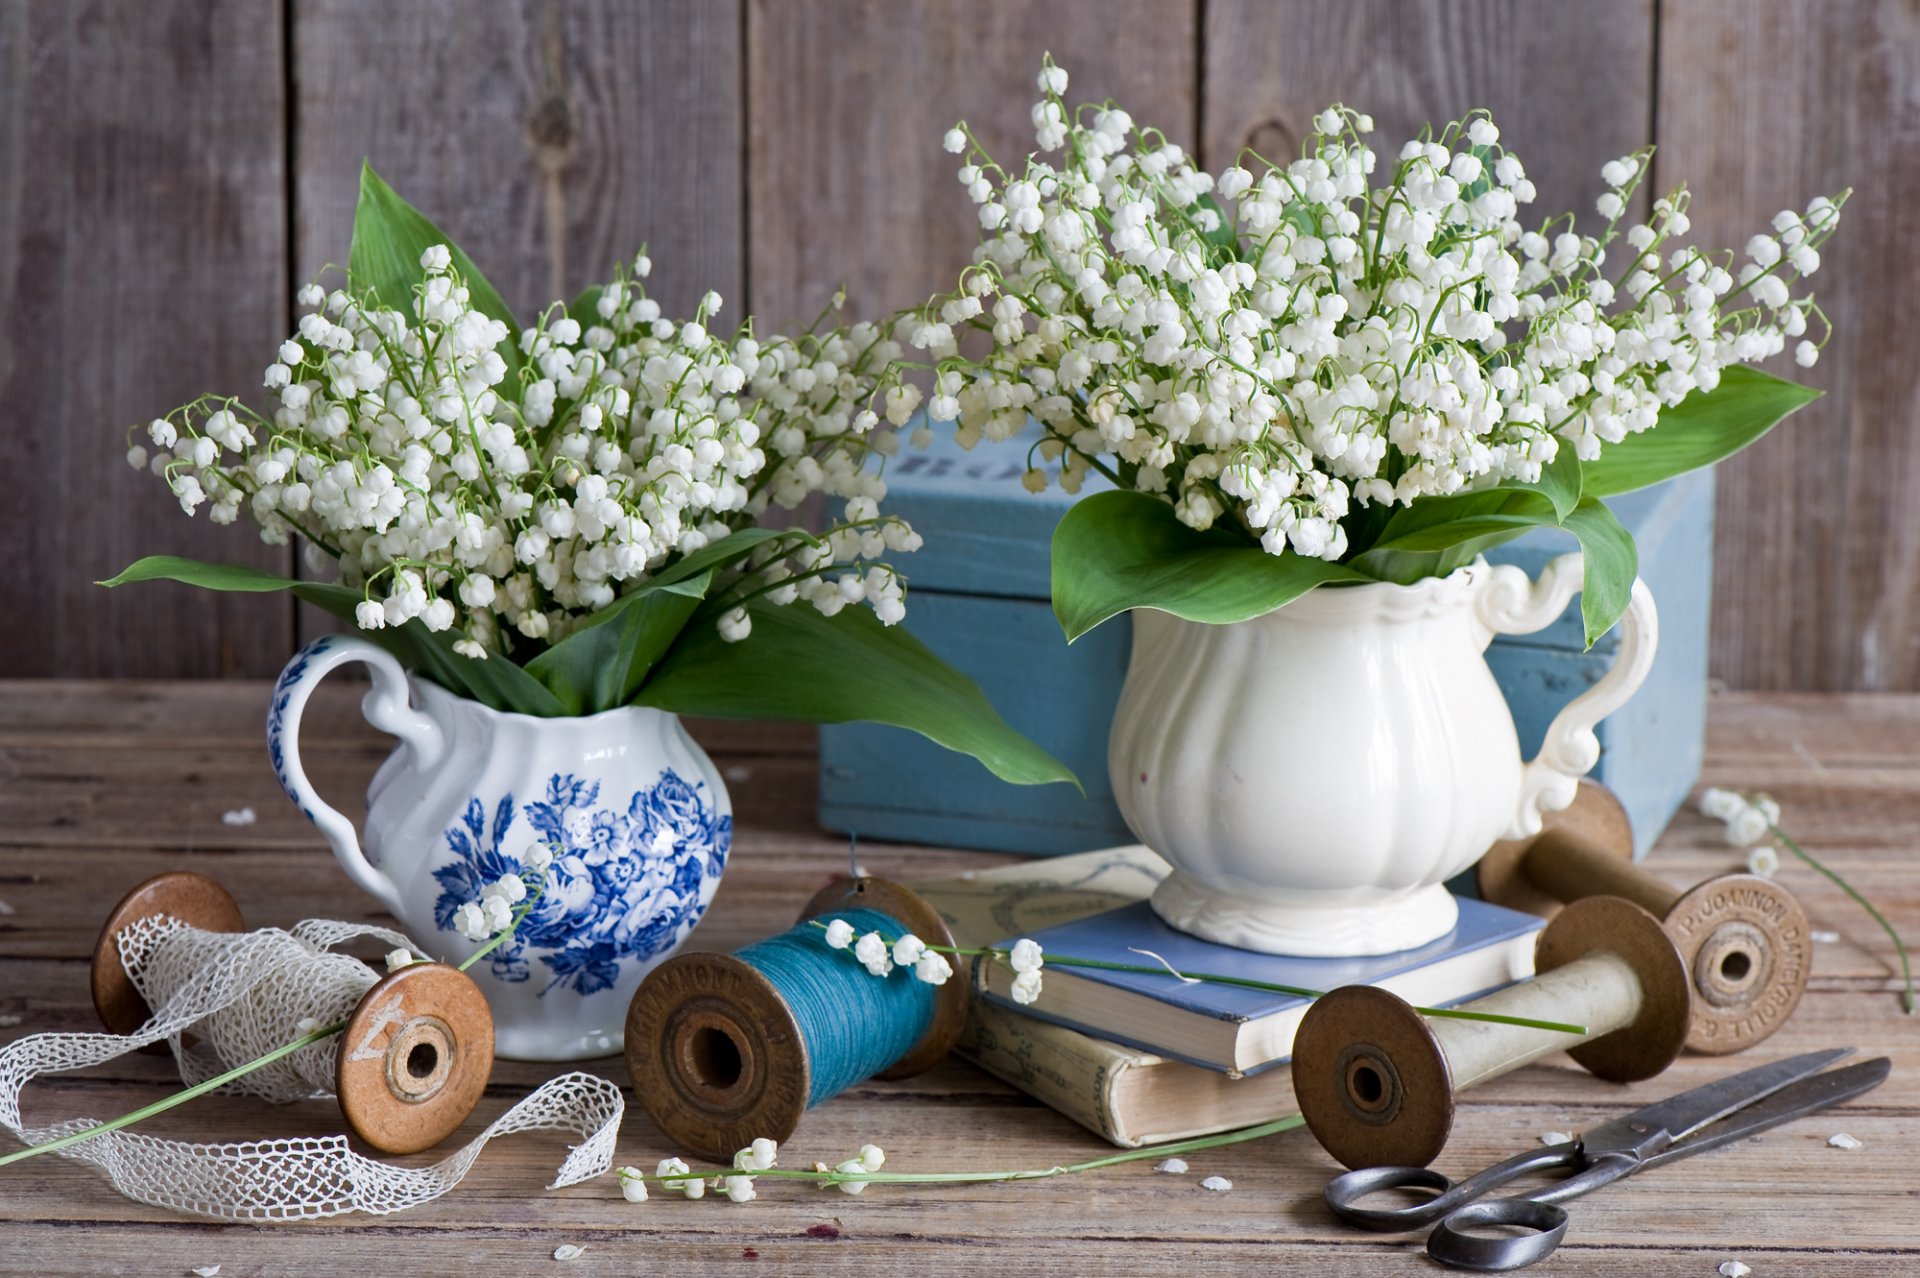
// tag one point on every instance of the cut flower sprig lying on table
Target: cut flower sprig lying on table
(881, 955)
(590, 511)
(1346, 366)
(493, 919)
(1753, 821)
(855, 1174)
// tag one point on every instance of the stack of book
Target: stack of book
(1142, 1058)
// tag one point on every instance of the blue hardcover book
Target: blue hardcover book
(1231, 1028)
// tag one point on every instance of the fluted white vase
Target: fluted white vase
(1316, 774)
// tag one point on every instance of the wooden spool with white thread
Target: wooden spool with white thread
(1745, 939)
(717, 1056)
(414, 1057)
(1376, 1080)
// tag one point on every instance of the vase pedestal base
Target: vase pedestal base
(1306, 931)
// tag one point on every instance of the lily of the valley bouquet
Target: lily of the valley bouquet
(573, 516)
(1349, 366)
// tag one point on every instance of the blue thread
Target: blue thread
(855, 1024)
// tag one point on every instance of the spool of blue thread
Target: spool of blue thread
(724, 1048)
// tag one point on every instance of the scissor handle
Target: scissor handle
(1450, 1244)
(1344, 1192)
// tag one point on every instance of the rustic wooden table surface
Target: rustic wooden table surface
(102, 785)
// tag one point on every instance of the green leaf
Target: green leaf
(1561, 482)
(1700, 430)
(584, 310)
(1222, 239)
(1611, 565)
(722, 554)
(495, 682)
(602, 665)
(389, 235)
(1119, 550)
(798, 664)
(1436, 535)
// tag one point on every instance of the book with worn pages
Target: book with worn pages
(1129, 1095)
(1231, 1027)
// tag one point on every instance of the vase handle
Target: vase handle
(386, 706)
(1509, 604)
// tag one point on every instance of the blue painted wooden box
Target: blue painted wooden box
(979, 597)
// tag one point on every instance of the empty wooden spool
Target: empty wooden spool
(414, 1057)
(1376, 1080)
(1745, 939)
(718, 1058)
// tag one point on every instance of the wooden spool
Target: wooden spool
(1745, 939)
(718, 1058)
(1376, 1080)
(416, 1052)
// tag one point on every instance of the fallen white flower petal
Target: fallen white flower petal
(1824, 938)
(1218, 1184)
(239, 816)
(1733, 1269)
(1555, 1138)
(1171, 970)
(5, 909)
(1171, 1166)
(1840, 1140)
(567, 1251)
(8, 1021)
(207, 1271)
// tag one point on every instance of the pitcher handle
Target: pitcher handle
(1509, 604)
(386, 706)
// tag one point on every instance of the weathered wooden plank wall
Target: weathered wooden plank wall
(169, 170)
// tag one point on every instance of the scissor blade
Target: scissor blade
(1796, 1100)
(1679, 1116)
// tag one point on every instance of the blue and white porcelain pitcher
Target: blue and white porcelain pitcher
(635, 814)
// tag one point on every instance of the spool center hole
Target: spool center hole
(1735, 965)
(422, 1060)
(1367, 1086)
(715, 1057)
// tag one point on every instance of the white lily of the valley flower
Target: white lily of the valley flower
(852, 1167)
(757, 1157)
(1026, 988)
(871, 950)
(738, 1188)
(932, 969)
(692, 1186)
(908, 949)
(1026, 956)
(633, 1187)
(397, 959)
(1763, 861)
(1350, 328)
(471, 922)
(872, 1157)
(497, 505)
(839, 934)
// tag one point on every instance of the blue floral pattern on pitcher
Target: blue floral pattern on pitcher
(624, 885)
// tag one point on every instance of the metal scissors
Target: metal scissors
(1691, 1123)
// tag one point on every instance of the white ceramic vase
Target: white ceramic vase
(635, 813)
(1315, 775)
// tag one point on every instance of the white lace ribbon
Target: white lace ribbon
(245, 994)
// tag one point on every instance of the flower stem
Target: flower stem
(319, 1035)
(1906, 969)
(1194, 1145)
(178, 1098)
